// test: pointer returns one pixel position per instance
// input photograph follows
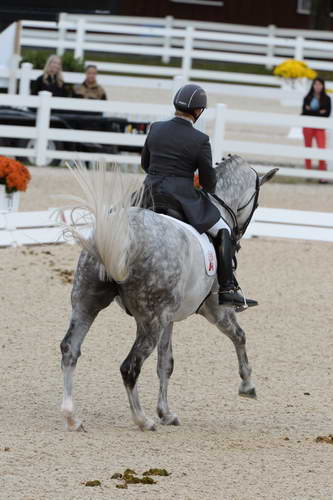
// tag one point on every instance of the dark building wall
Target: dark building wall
(253, 12)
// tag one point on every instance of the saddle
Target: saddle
(164, 205)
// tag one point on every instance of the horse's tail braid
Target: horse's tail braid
(108, 196)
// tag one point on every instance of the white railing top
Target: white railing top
(300, 173)
(277, 119)
(197, 34)
(88, 105)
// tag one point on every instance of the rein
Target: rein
(236, 231)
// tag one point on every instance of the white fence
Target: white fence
(294, 224)
(42, 133)
(26, 74)
(284, 95)
(183, 41)
(42, 227)
(272, 120)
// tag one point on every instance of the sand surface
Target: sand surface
(226, 448)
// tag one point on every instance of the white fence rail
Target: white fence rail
(221, 116)
(26, 74)
(294, 224)
(272, 120)
(185, 42)
(42, 227)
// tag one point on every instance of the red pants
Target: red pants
(320, 135)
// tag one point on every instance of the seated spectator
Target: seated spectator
(51, 79)
(90, 89)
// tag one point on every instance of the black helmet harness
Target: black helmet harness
(189, 98)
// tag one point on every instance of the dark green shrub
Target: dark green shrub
(38, 59)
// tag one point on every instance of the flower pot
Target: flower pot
(9, 202)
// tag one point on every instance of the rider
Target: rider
(173, 151)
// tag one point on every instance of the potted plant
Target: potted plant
(14, 177)
(295, 74)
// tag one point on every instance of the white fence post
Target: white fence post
(299, 48)
(219, 130)
(80, 35)
(61, 34)
(167, 40)
(26, 68)
(270, 46)
(14, 64)
(42, 126)
(187, 54)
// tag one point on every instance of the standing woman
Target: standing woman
(316, 103)
(51, 79)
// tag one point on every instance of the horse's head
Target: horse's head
(238, 185)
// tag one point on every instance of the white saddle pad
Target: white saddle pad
(207, 247)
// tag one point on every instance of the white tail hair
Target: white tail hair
(108, 195)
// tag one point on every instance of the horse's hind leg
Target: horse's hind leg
(89, 295)
(164, 372)
(225, 320)
(147, 338)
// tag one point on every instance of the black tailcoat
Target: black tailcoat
(173, 151)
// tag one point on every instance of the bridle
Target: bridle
(236, 231)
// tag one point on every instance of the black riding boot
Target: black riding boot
(228, 293)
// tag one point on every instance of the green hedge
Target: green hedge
(38, 59)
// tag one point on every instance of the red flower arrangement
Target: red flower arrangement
(13, 174)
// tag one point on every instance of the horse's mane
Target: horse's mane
(230, 162)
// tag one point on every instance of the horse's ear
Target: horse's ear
(268, 176)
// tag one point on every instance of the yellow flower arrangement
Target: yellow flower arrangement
(291, 68)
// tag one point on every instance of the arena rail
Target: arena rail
(271, 34)
(221, 116)
(26, 74)
(189, 48)
(44, 227)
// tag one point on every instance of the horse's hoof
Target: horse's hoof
(81, 429)
(171, 419)
(74, 424)
(251, 394)
(148, 425)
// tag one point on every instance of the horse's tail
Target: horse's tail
(108, 195)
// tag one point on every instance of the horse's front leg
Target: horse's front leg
(226, 322)
(89, 295)
(164, 372)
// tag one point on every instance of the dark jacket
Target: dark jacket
(173, 151)
(326, 106)
(51, 85)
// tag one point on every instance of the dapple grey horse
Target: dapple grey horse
(154, 268)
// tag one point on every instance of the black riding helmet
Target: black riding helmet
(190, 97)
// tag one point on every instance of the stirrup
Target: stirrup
(242, 302)
(231, 297)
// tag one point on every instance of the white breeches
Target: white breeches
(220, 224)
